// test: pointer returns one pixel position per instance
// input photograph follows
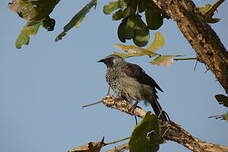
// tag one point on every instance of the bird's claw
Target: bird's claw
(133, 107)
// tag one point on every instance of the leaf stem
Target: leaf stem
(185, 59)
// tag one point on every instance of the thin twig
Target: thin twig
(91, 104)
(116, 141)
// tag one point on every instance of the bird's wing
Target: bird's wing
(136, 72)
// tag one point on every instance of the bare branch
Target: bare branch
(123, 106)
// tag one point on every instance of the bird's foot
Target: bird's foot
(133, 107)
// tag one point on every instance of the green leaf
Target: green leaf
(141, 33)
(130, 27)
(133, 27)
(128, 12)
(146, 136)
(33, 11)
(154, 17)
(142, 5)
(164, 60)
(77, 19)
(141, 37)
(158, 42)
(222, 99)
(49, 24)
(24, 37)
(126, 28)
(117, 15)
(131, 8)
(121, 31)
(123, 4)
(110, 7)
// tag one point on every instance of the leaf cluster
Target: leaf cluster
(157, 43)
(36, 13)
(137, 17)
(132, 26)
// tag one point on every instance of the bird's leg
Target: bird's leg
(132, 110)
(136, 121)
(133, 107)
(118, 96)
(108, 91)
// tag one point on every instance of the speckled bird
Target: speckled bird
(131, 83)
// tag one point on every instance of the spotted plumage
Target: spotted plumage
(130, 82)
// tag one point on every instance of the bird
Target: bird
(130, 82)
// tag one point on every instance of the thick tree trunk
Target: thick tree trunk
(200, 35)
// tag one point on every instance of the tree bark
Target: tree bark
(119, 148)
(200, 35)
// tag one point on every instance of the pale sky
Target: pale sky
(44, 84)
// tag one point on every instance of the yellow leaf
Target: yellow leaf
(164, 60)
(121, 55)
(157, 43)
(133, 50)
(124, 47)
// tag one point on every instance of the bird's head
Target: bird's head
(111, 60)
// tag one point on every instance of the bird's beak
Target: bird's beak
(102, 60)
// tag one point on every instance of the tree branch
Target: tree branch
(171, 130)
(200, 35)
(119, 148)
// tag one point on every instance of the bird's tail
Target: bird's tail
(158, 110)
